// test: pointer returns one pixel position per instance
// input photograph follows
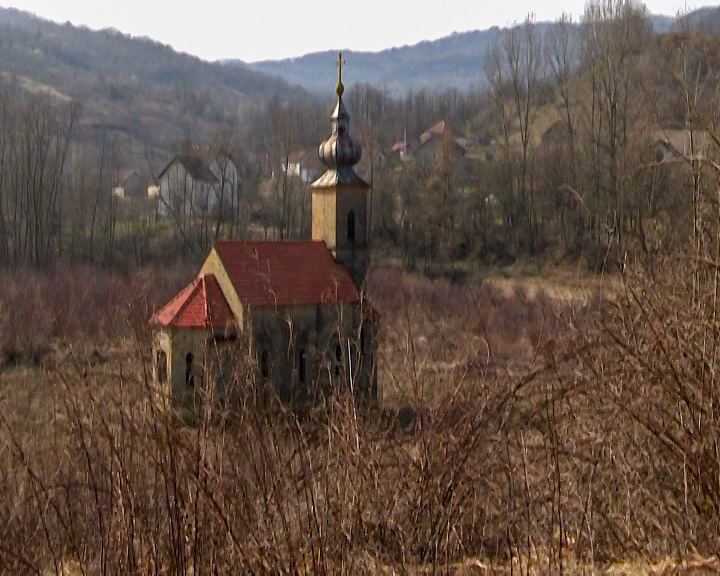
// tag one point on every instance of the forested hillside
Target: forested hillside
(583, 144)
(543, 295)
(134, 86)
(456, 61)
(451, 62)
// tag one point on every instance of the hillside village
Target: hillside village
(446, 308)
(204, 176)
(441, 161)
(206, 182)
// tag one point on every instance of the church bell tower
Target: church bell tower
(340, 196)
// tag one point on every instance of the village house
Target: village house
(439, 141)
(129, 185)
(399, 150)
(674, 144)
(295, 307)
(553, 143)
(197, 182)
(153, 190)
(371, 164)
(304, 164)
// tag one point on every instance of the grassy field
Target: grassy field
(524, 426)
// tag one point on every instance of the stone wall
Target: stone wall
(314, 332)
(324, 226)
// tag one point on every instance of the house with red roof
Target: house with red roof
(399, 150)
(294, 309)
(439, 142)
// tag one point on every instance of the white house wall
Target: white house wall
(177, 186)
(229, 181)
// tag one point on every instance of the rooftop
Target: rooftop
(286, 273)
(197, 162)
(438, 129)
(200, 304)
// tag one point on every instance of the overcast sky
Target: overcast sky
(273, 29)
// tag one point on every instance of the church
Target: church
(296, 308)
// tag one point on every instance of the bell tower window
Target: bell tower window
(351, 226)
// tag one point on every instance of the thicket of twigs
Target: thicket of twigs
(76, 306)
(601, 445)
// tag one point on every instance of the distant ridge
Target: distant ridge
(152, 94)
(455, 61)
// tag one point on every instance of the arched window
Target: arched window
(264, 364)
(351, 226)
(301, 365)
(162, 367)
(338, 359)
(189, 378)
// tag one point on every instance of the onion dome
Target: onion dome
(340, 150)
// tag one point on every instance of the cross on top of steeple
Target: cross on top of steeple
(340, 89)
(339, 152)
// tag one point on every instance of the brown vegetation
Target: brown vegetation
(517, 430)
(528, 431)
(47, 312)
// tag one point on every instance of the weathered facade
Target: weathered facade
(294, 308)
(198, 182)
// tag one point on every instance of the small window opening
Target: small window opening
(338, 359)
(351, 226)
(264, 368)
(301, 365)
(162, 367)
(189, 377)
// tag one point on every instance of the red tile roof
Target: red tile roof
(286, 272)
(438, 129)
(398, 146)
(200, 302)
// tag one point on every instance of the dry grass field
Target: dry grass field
(518, 431)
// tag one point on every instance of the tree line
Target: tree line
(592, 140)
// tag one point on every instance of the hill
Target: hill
(135, 86)
(706, 19)
(455, 61)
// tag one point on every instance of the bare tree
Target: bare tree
(614, 33)
(34, 141)
(515, 69)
